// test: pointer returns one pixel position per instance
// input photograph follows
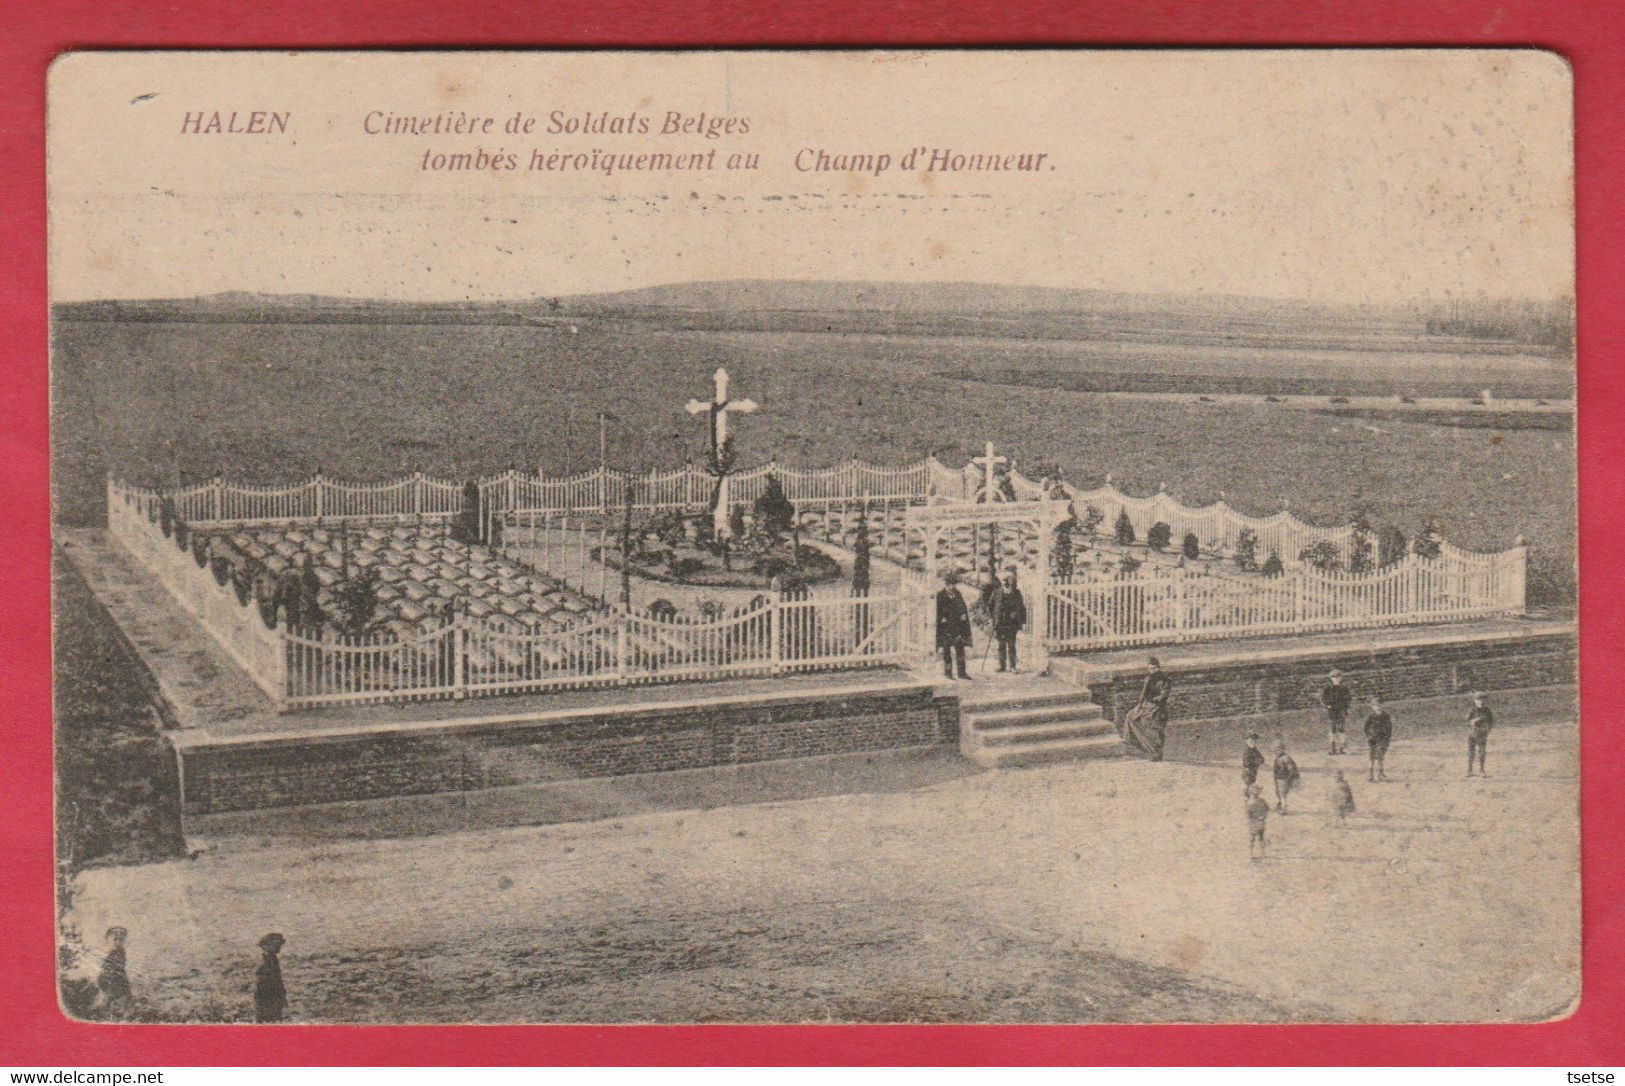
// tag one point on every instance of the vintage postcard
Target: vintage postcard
(997, 536)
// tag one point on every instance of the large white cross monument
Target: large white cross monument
(719, 408)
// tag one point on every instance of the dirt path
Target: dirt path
(1098, 892)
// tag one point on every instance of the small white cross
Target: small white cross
(989, 462)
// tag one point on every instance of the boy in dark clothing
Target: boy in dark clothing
(1479, 722)
(1286, 775)
(1342, 796)
(1379, 732)
(1252, 760)
(113, 980)
(270, 997)
(1258, 813)
(1337, 697)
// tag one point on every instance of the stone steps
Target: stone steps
(1030, 728)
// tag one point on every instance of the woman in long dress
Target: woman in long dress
(1146, 725)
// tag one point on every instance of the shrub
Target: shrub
(1360, 546)
(465, 526)
(1191, 547)
(200, 550)
(683, 568)
(662, 610)
(1550, 581)
(242, 582)
(775, 513)
(1427, 541)
(736, 522)
(1124, 529)
(356, 602)
(1322, 555)
(1129, 564)
(1062, 556)
(1272, 566)
(669, 530)
(221, 568)
(1158, 536)
(1391, 545)
(705, 532)
(1247, 550)
(1092, 519)
(308, 592)
(860, 556)
(182, 534)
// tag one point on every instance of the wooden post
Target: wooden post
(1179, 604)
(459, 654)
(775, 633)
(581, 556)
(1517, 590)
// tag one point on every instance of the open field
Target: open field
(1100, 891)
(276, 401)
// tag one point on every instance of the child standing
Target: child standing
(1286, 775)
(1479, 722)
(1379, 732)
(1258, 813)
(1342, 796)
(1252, 760)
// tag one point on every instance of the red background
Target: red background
(33, 1033)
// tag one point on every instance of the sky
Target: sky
(1339, 176)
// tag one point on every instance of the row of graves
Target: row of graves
(408, 576)
(372, 609)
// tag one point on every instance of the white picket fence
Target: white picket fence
(467, 657)
(1175, 605)
(470, 656)
(513, 494)
(133, 521)
(1217, 527)
(600, 491)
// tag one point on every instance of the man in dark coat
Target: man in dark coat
(953, 627)
(1479, 722)
(1337, 697)
(1009, 616)
(1146, 725)
(270, 997)
(1379, 732)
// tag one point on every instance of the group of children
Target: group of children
(1336, 697)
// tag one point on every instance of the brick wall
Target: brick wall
(1421, 671)
(243, 776)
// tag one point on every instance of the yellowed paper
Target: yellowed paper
(610, 537)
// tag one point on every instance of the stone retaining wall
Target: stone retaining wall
(289, 770)
(1241, 688)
